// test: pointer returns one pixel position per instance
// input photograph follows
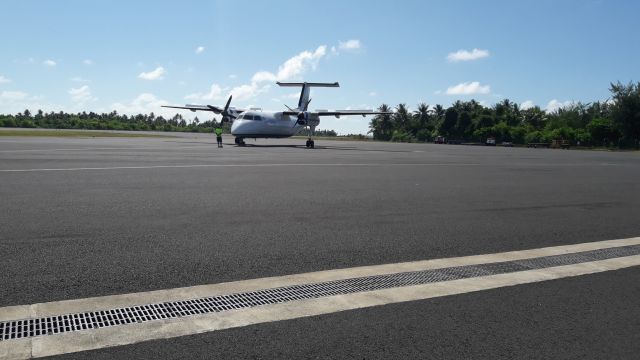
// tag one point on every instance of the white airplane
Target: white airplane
(255, 123)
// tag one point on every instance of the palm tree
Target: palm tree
(402, 117)
(422, 114)
(381, 125)
(438, 111)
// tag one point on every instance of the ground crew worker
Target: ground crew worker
(219, 136)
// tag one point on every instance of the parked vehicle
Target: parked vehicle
(439, 140)
(563, 144)
(491, 141)
(537, 145)
(507, 144)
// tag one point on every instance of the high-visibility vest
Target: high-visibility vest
(219, 132)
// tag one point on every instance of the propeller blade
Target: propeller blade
(215, 109)
(226, 107)
(226, 115)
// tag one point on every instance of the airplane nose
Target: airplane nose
(234, 127)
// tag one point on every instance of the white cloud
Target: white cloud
(4, 80)
(262, 76)
(290, 69)
(12, 102)
(81, 94)
(157, 74)
(468, 88)
(215, 93)
(199, 49)
(349, 45)
(294, 66)
(79, 79)
(49, 63)
(527, 105)
(87, 62)
(294, 95)
(358, 107)
(143, 104)
(464, 55)
(13, 95)
(246, 92)
(373, 93)
(555, 105)
(232, 76)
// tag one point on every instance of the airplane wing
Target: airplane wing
(215, 109)
(338, 113)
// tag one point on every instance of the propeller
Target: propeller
(302, 115)
(226, 115)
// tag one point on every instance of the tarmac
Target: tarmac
(84, 217)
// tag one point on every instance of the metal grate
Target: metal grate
(137, 314)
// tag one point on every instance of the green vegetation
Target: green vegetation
(110, 121)
(615, 123)
(73, 133)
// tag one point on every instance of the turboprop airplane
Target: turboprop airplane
(255, 123)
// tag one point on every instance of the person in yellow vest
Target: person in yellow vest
(218, 131)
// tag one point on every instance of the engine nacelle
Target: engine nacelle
(306, 118)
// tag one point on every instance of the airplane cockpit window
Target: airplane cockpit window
(257, 118)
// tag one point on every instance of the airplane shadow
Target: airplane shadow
(323, 147)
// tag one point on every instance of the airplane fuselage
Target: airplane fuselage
(265, 124)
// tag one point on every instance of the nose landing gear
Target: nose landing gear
(240, 141)
(310, 144)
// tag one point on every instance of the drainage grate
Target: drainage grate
(167, 310)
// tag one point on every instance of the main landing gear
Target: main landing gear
(240, 141)
(310, 143)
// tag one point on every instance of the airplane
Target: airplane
(255, 123)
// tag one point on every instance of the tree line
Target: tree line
(115, 121)
(104, 121)
(612, 123)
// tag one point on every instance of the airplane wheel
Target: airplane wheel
(312, 144)
(308, 144)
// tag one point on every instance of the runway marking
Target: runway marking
(69, 149)
(611, 251)
(190, 147)
(234, 165)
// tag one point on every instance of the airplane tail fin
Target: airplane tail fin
(303, 102)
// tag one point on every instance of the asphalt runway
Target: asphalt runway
(84, 217)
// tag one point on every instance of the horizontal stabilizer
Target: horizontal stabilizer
(333, 84)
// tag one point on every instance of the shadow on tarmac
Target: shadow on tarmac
(321, 147)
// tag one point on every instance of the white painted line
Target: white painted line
(198, 291)
(233, 165)
(68, 149)
(160, 329)
(111, 148)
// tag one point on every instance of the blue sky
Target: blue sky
(135, 56)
